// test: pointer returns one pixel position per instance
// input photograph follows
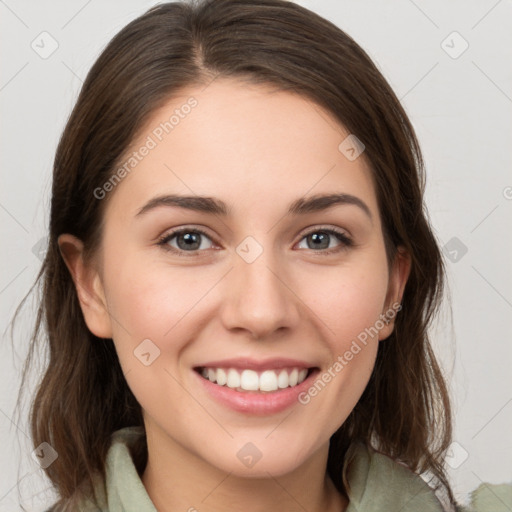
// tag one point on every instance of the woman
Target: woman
(240, 276)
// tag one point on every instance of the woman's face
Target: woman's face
(261, 295)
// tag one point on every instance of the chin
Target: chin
(259, 459)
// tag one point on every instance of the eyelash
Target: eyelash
(346, 242)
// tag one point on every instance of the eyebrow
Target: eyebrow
(216, 206)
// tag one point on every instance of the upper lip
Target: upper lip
(257, 365)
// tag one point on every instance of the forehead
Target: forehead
(242, 142)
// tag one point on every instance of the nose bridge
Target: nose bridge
(258, 298)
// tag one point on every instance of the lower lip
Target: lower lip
(253, 402)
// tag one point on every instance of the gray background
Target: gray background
(459, 103)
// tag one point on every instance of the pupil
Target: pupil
(319, 238)
(190, 239)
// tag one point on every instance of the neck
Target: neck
(178, 480)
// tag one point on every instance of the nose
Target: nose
(259, 298)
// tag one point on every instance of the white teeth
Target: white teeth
(250, 380)
(233, 379)
(268, 381)
(222, 378)
(282, 380)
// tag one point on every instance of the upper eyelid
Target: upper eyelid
(174, 232)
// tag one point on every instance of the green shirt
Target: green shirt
(375, 483)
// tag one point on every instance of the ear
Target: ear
(89, 287)
(398, 276)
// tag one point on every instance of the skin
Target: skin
(258, 150)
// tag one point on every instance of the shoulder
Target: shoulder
(490, 498)
(120, 474)
(376, 482)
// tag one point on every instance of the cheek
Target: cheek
(348, 300)
(150, 298)
(152, 309)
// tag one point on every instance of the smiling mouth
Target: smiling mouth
(246, 380)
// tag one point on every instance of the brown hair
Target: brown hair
(83, 397)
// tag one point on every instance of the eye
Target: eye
(321, 238)
(187, 240)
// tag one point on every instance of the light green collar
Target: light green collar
(374, 483)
